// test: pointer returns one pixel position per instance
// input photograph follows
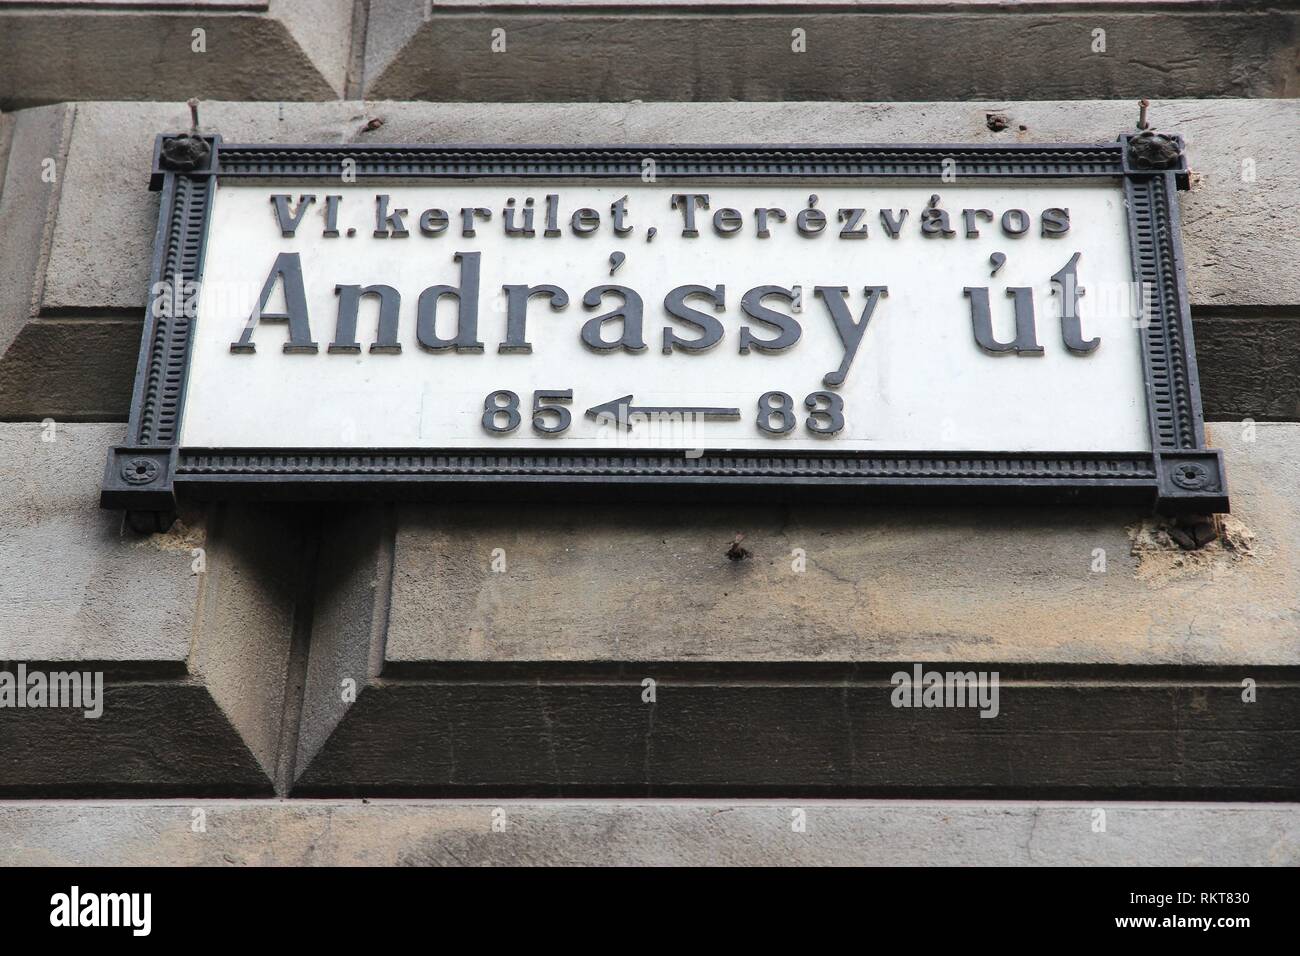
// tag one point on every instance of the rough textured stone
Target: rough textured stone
(191, 628)
(1249, 364)
(695, 833)
(253, 598)
(77, 586)
(348, 621)
(6, 136)
(37, 143)
(736, 730)
(854, 50)
(71, 370)
(291, 49)
(160, 735)
(894, 583)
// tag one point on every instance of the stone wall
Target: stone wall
(226, 642)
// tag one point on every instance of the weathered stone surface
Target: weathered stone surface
(6, 136)
(253, 601)
(36, 145)
(855, 50)
(694, 833)
(348, 620)
(290, 49)
(71, 370)
(1249, 365)
(738, 730)
(77, 586)
(192, 628)
(160, 735)
(652, 583)
(1241, 208)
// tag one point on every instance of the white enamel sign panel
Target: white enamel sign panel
(757, 316)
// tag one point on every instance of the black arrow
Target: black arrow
(620, 410)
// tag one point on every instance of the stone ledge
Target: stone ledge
(1249, 362)
(281, 49)
(851, 51)
(736, 731)
(677, 833)
(70, 370)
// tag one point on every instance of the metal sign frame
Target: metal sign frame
(145, 474)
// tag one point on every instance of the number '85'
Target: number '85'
(501, 411)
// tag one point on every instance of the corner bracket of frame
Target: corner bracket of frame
(188, 153)
(1150, 153)
(139, 481)
(1191, 482)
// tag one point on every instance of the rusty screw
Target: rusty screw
(1193, 532)
(735, 552)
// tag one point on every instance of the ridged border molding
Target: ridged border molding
(1180, 474)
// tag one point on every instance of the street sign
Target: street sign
(325, 319)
